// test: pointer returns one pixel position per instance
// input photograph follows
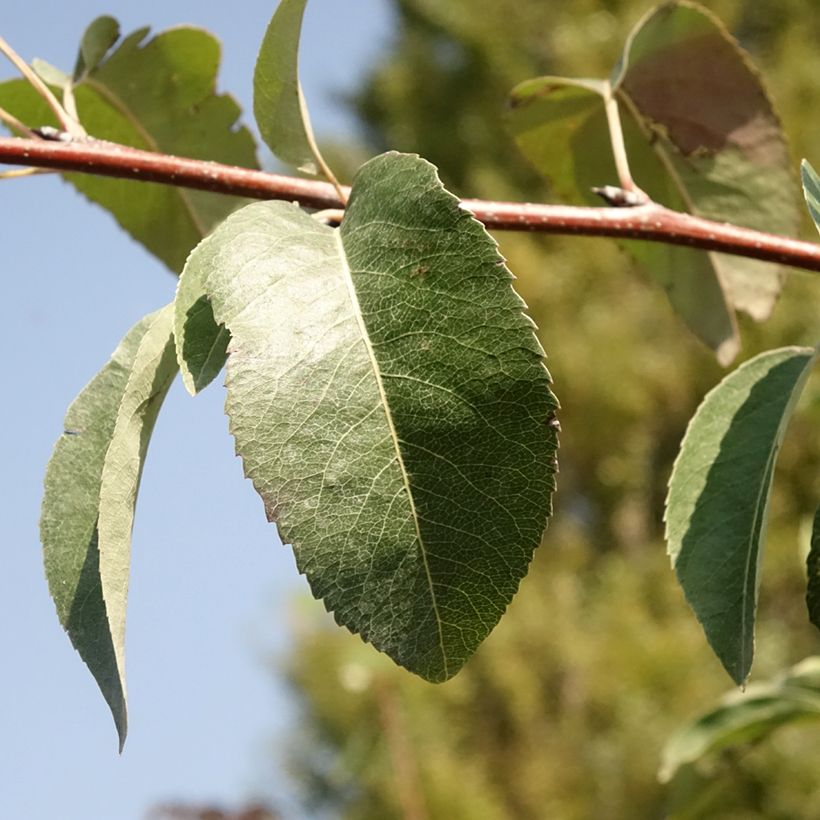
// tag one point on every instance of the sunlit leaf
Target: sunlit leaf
(159, 95)
(701, 137)
(68, 524)
(152, 372)
(718, 497)
(744, 717)
(389, 400)
(278, 104)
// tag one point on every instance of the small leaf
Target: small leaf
(390, 403)
(701, 137)
(813, 572)
(158, 95)
(745, 717)
(718, 497)
(278, 104)
(202, 344)
(811, 190)
(152, 372)
(68, 522)
(98, 38)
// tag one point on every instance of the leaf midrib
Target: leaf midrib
(354, 300)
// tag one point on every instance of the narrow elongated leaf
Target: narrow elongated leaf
(278, 104)
(719, 492)
(811, 190)
(389, 400)
(158, 95)
(152, 372)
(68, 523)
(813, 572)
(744, 717)
(701, 137)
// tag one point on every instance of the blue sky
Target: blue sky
(211, 584)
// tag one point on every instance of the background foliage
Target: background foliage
(565, 709)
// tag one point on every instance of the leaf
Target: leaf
(278, 104)
(389, 400)
(718, 497)
(744, 717)
(68, 522)
(97, 39)
(813, 572)
(157, 95)
(152, 372)
(811, 190)
(701, 136)
(202, 344)
(560, 125)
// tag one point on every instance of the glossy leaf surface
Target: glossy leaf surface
(389, 400)
(718, 497)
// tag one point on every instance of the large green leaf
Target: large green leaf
(811, 191)
(389, 400)
(701, 137)
(718, 496)
(744, 717)
(70, 512)
(158, 95)
(152, 372)
(278, 104)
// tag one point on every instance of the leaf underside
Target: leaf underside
(390, 403)
(156, 94)
(701, 136)
(90, 493)
(718, 497)
(278, 105)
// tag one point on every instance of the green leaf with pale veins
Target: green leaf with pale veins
(813, 572)
(811, 191)
(278, 104)
(718, 497)
(389, 400)
(68, 523)
(745, 717)
(157, 94)
(152, 372)
(701, 137)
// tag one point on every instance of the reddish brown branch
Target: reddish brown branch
(650, 222)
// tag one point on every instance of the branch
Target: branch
(651, 222)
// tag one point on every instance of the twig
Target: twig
(68, 123)
(12, 122)
(649, 222)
